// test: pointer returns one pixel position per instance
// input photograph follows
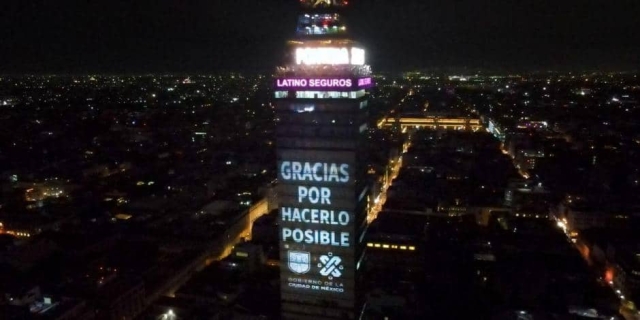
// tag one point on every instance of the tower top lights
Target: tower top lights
(318, 4)
(322, 43)
(322, 18)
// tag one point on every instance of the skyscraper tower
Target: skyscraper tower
(321, 103)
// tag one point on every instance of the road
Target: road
(234, 235)
(395, 164)
(627, 308)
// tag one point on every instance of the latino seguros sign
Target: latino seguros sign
(323, 83)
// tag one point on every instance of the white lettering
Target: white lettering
(286, 214)
(333, 173)
(344, 238)
(314, 171)
(285, 170)
(314, 194)
(291, 82)
(286, 233)
(343, 218)
(332, 289)
(315, 216)
(324, 217)
(302, 193)
(296, 167)
(317, 83)
(321, 237)
(344, 171)
(328, 83)
(325, 194)
(307, 172)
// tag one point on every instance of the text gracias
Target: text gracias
(315, 172)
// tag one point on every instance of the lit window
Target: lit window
(281, 94)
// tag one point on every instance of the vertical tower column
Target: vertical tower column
(321, 109)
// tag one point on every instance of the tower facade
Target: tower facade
(321, 109)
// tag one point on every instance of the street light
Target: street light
(169, 315)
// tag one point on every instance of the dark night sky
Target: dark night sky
(134, 36)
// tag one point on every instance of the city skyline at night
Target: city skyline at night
(319, 159)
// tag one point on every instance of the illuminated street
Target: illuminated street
(395, 165)
(627, 308)
(256, 211)
(244, 234)
(320, 159)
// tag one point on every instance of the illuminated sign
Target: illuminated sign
(323, 83)
(299, 261)
(313, 83)
(330, 266)
(316, 218)
(312, 195)
(364, 82)
(328, 55)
